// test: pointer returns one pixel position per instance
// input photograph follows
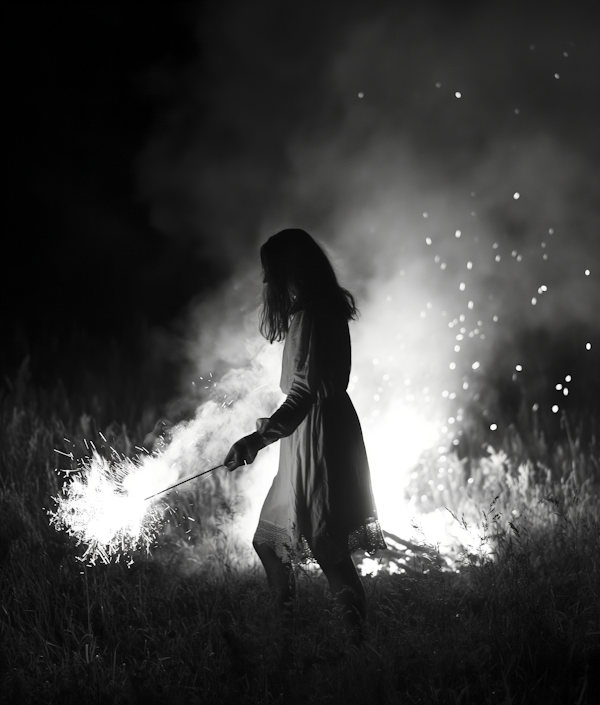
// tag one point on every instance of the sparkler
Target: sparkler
(193, 477)
(105, 506)
(113, 507)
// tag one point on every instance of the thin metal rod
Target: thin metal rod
(193, 477)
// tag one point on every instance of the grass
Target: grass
(510, 615)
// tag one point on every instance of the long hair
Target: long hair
(297, 272)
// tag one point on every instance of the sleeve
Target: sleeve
(303, 390)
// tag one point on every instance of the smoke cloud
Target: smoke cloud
(448, 159)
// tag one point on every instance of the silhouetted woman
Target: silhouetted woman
(321, 502)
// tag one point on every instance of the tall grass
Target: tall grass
(510, 613)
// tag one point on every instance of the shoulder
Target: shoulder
(318, 319)
(316, 309)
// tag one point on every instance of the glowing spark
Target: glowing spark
(516, 195)
(68, 455)
(458, 94)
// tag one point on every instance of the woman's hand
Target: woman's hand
(244, 451)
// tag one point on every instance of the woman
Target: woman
(321, 503)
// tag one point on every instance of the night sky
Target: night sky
(83, 104)
(152, 149)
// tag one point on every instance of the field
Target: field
(512, 618)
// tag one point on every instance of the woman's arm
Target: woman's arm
(303, 390)
(302, 395)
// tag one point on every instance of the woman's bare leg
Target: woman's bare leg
(347, 588)
(280, 575)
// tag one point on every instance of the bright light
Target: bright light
(104, 506)
(395, 442)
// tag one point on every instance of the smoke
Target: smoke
(448, 159)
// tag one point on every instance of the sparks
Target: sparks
(104, 508)
(107, 506)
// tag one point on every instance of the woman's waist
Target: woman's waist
(330, 395)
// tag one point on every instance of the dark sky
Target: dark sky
(82, 104)
(151, 148)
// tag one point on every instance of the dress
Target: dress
(320, 505)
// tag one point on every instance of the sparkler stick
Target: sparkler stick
(193, 477)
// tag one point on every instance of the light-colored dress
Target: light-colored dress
(320, 504)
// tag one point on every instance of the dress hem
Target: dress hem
(323, 548)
